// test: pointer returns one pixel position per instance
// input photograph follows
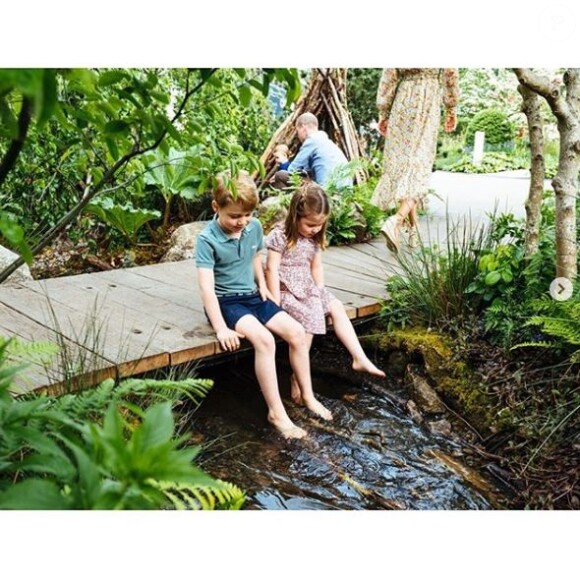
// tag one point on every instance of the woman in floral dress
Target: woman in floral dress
(409, 104)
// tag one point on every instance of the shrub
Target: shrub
(508, 282)
(496, 125)
(431, 290)
(491, 163)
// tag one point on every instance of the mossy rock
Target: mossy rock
(452, 379)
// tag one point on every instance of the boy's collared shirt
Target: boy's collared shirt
(230, 258)
(319, 156)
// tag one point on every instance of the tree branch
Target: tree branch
(107, 177)
(547, 88)
(17, 143)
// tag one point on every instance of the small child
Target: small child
(237, 301)
(282, 156)
(295, 277)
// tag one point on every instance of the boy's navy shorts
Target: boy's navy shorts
(235, 306)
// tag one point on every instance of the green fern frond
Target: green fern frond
(31, 352)
(222, 495)
(94, 402)
(7, 370)
(560, 321)
(565, 328)
(533, 345)
(195, 389)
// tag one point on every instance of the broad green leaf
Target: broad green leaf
(110, 77)
(49, 97)
(245, 95)
(157, 426)
(160, 96)
(171, 128)
(84, 80)
(116, 126)
(33, 494)
(507, 276)
(108, 108)
(112, 147)
(492, 278)
(15, 235)
(125, 218)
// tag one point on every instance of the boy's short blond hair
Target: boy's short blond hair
(240, 189)
(284, 149)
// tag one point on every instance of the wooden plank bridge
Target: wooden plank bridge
(119, 323)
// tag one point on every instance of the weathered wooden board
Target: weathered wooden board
(348, 259)
(86, 365)
(132, 320)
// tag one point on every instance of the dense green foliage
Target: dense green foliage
(559, 322)
(114, 447)
(91, 130)
(491, 163)
(431, 290)
(361, 92)
(484, 88)
(484, 276)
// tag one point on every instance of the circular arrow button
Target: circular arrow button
(561, 289)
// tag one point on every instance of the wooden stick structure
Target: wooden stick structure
(324, 97)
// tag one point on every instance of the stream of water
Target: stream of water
(371, 456)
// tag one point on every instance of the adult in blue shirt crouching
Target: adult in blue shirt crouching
(318, 156)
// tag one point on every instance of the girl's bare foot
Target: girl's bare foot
(287, 428)
(317, 408)
(365, 365)
(295, 392)
(311, 403)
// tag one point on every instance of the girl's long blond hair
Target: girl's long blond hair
(309, 199)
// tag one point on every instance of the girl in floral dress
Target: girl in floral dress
(409, 104)
(295, 277)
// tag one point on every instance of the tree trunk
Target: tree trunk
(531, 108)
(565, 183)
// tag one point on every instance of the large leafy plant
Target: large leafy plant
(100, 449)
(176, 173)
(126, 219)
(353, 218)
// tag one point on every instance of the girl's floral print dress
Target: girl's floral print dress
(299, 295)
(410, 100)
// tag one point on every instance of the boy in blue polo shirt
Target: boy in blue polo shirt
(237, 301)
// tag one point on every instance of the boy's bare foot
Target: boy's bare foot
(287, 428)
(295, 392)
(365, 365)
(315, 406)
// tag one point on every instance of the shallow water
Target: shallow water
(371, 456)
